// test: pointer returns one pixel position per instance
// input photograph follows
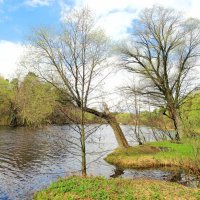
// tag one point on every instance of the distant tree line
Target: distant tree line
(29, 102)
(32, 102)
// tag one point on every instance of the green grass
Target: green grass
(158, 154)
(125, 118)
(115, 189)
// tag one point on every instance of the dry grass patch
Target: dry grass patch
(156, 155)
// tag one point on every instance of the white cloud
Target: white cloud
(116, 23)
(35, 3)
(116, 15)
(10, 54)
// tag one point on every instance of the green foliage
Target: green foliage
(35, 101)
(156, 119)
(6, 95)
(73, 115)
(125, 118)
(99, 188)
(190, 112)
(195, 143)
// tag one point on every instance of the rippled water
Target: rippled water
(31, 159)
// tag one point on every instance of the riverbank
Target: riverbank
(185, 156)
(100, 188)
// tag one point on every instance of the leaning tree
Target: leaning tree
(164, 50)
(74, 60)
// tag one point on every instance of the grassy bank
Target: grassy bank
(159, 154)
(103, 189)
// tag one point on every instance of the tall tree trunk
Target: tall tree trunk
(121, 140)
(176, 120)
(119, 135)
(83, 150)
(13, 116)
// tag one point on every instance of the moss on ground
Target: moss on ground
(98, 188)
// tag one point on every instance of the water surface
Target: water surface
(32, 159)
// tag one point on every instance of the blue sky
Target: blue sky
(18, 17)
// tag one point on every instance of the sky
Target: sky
(19, 17)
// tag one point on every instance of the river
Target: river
(30, 159)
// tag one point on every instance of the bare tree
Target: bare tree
(74, 61)
(79, 137)
(137, 117)
(132, 105)
(164, 50)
